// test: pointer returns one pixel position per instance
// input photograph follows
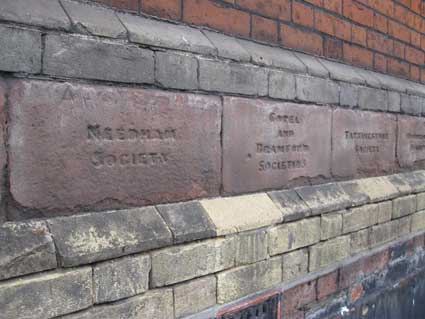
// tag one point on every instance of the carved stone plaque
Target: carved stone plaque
(411, 141)
(363, 143)
(268, 144)
(76, 146)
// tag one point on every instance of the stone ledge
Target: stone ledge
(94, 237)
(117, 36)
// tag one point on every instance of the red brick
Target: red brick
(131, 5)
(333, 48)
(380, 22)
(280, 9)
(399, 31)
(415, 73)
(327, 285)
(299, 39)
(416, 6)
(384, 6)
(302, 14)
(342, 29)
(356, 292)
(264, 29)
(380, 62)
(423, 42)
(400, 13)
(415, 38)
(333, 5)
(415, 56)
(211, 14)
(358, 35)
(405, 2)
(168, 9)
(77, 146)
(399, 49)
(299, 296)
(379, 42)
(318, 3)
(327, 23)
(357, 55)
(358, 12)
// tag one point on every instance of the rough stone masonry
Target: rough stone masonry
(152, 169)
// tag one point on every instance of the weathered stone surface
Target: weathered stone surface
(331, 225)
(373, 99)
(74, 145)
(401, 183)
(329, 252)
(273, 144)
(251, 247)
(370, 77)
(294, 264)
(177, 71)
(26, 248)
(420, 201)
(411, 141)
(385, 211)
(240, 213)
(227, 47)
(394, 101)
(94, 20)
(383, 233)
(290, 204)
(241, 281)
(294, 235)
(20, 49)
(83, 57)
(3, 155)
(281, 85)
(44, 13)
(342, 72)
(360, 241)
(377, 188)
(188, 221)
(156, 304)
(416, 180)
(180, 263)
(314, 67)
(355, 193)
(411, 104)
(121, 278)
(324, 198)
(404, 206)
(360, 217)
(167, 35)
(317, 90)
(418, 222)
(195, 296)
(46, 295)
(363, 143)
(272, 56)
(348, 95)
(93, 237)
(232, 77)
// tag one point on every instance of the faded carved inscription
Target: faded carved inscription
(135, 136)
(373, 141)
(283, 145)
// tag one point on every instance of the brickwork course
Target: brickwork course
(185, 159)
(384, 35)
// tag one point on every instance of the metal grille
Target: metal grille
(267, 309)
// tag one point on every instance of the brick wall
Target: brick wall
(384, 35)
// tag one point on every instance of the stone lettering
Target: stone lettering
(411, 141)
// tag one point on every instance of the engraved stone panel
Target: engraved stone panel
(268, 144)
(363, 143)
(411, 141)
(81, 146)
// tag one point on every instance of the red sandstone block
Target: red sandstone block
(302, 14)
(216, 16)
(327, 285)
(301, 295)
(280, 9)
(411, 145)
(273, 144)
(169, 9)
(299, 39)
(264, 29)
(363, 143)
(77, 146)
